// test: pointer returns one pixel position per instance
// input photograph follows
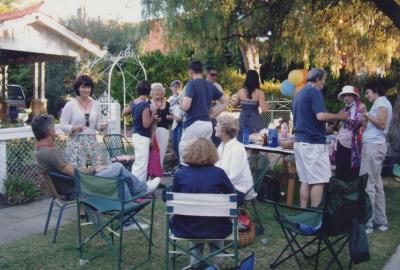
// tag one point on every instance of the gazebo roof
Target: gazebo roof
(28, 35)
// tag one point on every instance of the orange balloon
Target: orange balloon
(305, 72)
(298, 88)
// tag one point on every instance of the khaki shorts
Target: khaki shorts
(312, 162)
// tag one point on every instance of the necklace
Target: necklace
(158, 105)
(85, 106)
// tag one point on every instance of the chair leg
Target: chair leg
(121, 231)
(46, 226)
(317, 256)
(334, 253)
(258, 220)
(58, 222)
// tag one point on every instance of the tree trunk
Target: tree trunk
(390, 8)
(394, 129)
(251, 55)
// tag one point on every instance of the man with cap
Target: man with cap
(310, 148)
(349, 139)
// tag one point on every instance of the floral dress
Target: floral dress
(82, 149)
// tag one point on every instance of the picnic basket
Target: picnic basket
(247, 236)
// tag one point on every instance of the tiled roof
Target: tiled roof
(19, 13)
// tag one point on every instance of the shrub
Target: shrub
(18, 190)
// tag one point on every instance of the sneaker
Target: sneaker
(369, 230)
(382, 228)
(133, 226)
(152, 185)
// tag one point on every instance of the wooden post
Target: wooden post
(43, 101)
(36, 103)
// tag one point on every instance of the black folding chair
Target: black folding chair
(329, 227)
(259, 165)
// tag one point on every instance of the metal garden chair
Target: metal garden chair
(119, 149)
(103, 201)
(200, 205)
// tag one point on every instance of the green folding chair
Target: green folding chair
(259, 165)
(119, 149)
(329, 228)
(103, 201)
(200, 205)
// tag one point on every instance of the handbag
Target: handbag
(359, 249)
(154, 166)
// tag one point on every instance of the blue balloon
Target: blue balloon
(287, 88)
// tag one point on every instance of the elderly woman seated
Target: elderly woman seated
(201, 176)
(233, 157)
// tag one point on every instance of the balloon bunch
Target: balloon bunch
(296, 80)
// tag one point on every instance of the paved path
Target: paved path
(20, 221)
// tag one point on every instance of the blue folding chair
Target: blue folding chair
(57, 182)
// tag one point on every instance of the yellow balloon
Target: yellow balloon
(296, 77)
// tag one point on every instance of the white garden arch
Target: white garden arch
(103, 68)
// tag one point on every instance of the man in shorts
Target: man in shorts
(310, 148)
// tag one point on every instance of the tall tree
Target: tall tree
(220, 26)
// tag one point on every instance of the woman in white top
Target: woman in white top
(80, 118)
(233, 158)
(374, 152)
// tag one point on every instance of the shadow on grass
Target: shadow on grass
(37, 252)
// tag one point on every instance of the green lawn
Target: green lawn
(37, 252)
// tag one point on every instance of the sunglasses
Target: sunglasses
(347, 95)
(87, 119)
(213, 74)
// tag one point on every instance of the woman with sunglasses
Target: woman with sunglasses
(80, 118)
(349, 139)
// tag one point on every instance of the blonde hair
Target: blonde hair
(200, 151)
(157, 85)
(229, 125)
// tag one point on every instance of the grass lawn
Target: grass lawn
(37, 252)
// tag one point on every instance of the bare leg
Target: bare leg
(316, 194)
(304, 194)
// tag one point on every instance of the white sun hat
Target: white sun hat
(348, 89)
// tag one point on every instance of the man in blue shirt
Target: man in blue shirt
(310, 149)
(196, 102)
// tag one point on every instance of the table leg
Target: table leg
(291, 169)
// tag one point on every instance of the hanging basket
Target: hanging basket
(247, 236)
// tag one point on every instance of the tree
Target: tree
(218, 27)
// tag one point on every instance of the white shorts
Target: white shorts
(312, 162)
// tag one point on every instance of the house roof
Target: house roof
(28, 35)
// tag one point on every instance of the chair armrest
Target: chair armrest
(61, 176)
(294, 208)
(141, 196)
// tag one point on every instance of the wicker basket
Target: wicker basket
(246, 237)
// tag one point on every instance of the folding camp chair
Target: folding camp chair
(329, 227)
(200, 205)
(103, 201)
(119, 149)
(259, 166)
(65, 184)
